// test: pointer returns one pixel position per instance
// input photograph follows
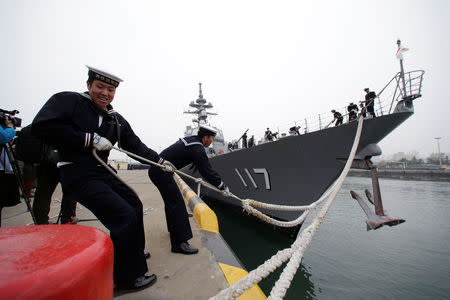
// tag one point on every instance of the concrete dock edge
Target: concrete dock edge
(205, 217)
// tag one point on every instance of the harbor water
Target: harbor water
(344, 260)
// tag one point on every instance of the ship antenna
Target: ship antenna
(200, 99)
(200, 94)
(402, 71)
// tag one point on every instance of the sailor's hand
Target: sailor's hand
(101, 143)
(168, 166)
(225, 190)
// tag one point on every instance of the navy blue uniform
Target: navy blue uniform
(352, 112)
(338, 117)
(370, 99)
(185, 151)
(68, 121)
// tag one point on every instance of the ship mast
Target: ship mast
(201, 106)
(402, 71)
(200, 99)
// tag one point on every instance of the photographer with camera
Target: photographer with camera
(8, 181)
(7, 133)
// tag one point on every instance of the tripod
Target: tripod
(19, 176)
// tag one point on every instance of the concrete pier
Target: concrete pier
(179, 276)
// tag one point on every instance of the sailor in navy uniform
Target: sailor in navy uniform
(370, 101)
(352, 109)
(337, 117)
(77, 122)
(185, 151)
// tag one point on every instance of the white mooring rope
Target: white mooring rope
(296, 251)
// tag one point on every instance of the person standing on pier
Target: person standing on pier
(77, 123)
(186, 150)
(8, 181)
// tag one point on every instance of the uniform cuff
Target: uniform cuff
(220, 185)
(87, 139)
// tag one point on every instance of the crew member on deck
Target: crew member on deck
(337, 117)
(244, 140)
(251, 141)
(294, 130)
(363, 109)
(77, 123)
(186, 150)
(352, 109)
(268, 135)
(370, 100)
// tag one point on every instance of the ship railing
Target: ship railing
(396, 90)
(385, 102)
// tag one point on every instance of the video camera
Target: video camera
(9, 114)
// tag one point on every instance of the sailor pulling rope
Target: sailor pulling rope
(247, 204)
(295, 253)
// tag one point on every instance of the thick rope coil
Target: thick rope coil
(246, 205)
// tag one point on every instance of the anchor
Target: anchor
(378, 218)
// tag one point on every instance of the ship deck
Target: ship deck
(179, 276)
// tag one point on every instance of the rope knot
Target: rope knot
(246, 204)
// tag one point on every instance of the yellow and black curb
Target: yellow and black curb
(226, 259)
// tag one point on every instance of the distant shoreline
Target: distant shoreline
(426, 175)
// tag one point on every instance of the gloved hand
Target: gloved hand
(101, 143)
(168, 166)
(225, 190)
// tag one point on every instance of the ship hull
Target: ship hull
(294, 170)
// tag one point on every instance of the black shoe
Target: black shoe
(140, 283)
(184, 248)
(147, 255)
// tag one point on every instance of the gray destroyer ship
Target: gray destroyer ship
(297, 168)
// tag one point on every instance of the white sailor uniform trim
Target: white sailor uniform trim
(220, 185)
(160, 161)
(85, 95)
(87, 140)
(190, 144)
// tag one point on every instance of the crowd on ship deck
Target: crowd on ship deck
(364, 108)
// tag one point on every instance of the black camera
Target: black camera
(9, 114)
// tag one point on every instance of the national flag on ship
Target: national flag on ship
(400, 52)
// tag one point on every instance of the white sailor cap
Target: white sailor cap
(206, 130)
(104, 76)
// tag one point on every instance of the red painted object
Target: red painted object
(55, 262)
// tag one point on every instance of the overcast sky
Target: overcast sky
(262, 63)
